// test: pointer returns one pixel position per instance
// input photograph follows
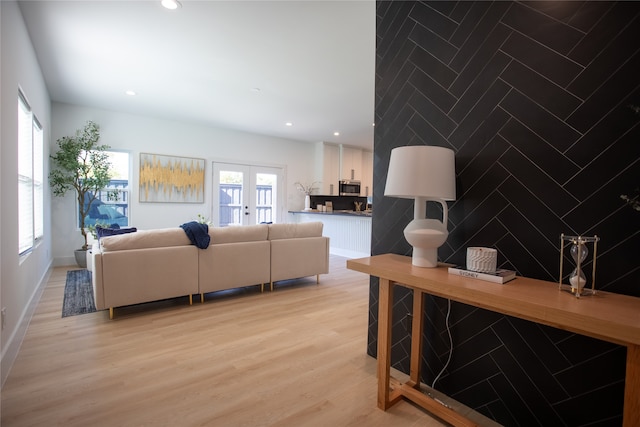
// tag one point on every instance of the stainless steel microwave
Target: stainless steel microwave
(348, 187)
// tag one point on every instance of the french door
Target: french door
(246, 194)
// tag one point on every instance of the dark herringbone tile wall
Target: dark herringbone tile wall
(534, 98)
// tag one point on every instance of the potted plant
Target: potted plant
(633, 199)
(83, 165)
(307, 189)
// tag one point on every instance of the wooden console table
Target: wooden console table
(606, 316)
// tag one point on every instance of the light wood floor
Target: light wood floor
(294, 357)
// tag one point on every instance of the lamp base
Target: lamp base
(425, 257)
(426, 236)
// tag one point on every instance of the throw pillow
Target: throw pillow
(103, 231)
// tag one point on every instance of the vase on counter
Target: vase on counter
(307, 202)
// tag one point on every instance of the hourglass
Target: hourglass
(579, 253)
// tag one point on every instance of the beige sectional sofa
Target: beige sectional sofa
(298, 250)
(236, 257)
(151, 265)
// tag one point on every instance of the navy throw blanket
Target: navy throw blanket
(198, 233)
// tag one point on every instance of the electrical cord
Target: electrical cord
(433, 385)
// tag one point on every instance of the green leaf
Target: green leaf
(83, 165)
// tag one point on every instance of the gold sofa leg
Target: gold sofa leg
(202, 298)
(110, 313)
(190, 299)
(261, 287)
(271, 286)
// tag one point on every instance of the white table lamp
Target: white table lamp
(423, 173)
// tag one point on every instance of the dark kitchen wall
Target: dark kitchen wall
(536, 99)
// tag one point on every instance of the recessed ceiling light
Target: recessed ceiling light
(288, 124)
(171, 4)
(336, 134)
(130, 93)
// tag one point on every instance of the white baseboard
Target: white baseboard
(347, 253)
(12, 347)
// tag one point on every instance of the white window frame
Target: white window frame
(123, 192)
(30, 177)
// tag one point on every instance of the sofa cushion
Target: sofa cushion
(158, 238)
(293, 231)
(103, 231)
(233, 234)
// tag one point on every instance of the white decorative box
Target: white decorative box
(482, 260)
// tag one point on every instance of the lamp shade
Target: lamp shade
(421, 171)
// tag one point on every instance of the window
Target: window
(30, 177)
(106, 210)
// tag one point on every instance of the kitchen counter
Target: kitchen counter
(339, 212)
(349, 232)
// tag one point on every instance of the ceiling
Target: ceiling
(246, 65)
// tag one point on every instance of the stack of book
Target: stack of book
(500, 276)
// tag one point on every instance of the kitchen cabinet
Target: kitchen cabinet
(336, 162)
(350, 163)
(330, 169)
(367, 173)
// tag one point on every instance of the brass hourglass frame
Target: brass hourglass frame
(579, 240)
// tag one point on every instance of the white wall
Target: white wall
(138, 134)
(21, 278)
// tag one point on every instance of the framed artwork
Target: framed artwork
(171, 179)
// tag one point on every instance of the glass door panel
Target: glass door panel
(266, 200)
(230, 198)
(245, 194)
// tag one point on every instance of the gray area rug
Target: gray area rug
(78, 294)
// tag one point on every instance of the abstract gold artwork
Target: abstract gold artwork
(171, 179)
